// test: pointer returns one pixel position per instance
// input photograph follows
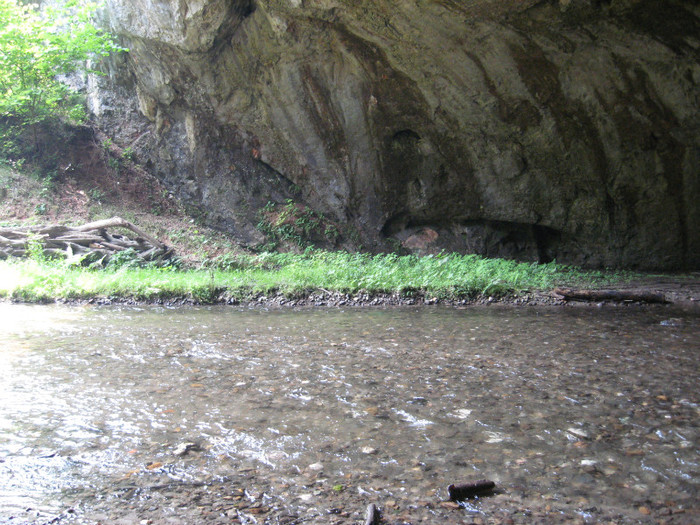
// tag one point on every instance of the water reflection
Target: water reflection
(576, 408)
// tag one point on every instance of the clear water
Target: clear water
(315, 413)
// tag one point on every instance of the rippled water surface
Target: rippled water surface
(210, 415)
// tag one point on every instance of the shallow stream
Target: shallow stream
(225, 415)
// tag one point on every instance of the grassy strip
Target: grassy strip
(447, 276)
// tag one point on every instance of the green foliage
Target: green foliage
(37, 49)
(113, 163)
(35, 250)
(445, 276)
(228, 262)
(96, 194)
(128, 258)
(294, 224)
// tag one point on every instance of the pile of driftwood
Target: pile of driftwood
(89, 242)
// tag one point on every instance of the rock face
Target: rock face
(542, 130)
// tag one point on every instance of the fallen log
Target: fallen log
(54, 230)
(73, 249)
(113, 247)
(12, 233)
(610, 295)
(121, 240)
(462, 491)
(81, 239)
(11, 242)
(119, 222)
(91, 240)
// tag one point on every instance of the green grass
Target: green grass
(447, 276)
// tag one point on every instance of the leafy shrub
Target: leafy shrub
(37, 49)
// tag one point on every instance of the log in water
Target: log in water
(462, 491)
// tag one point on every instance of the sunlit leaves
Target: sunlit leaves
(444, 276)
(37, 48)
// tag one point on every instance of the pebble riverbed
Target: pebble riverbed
(283, 416)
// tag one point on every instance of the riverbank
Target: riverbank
(212, 268)
(335, 279)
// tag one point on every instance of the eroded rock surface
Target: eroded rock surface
(545, 130)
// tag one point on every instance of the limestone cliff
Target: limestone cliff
(540, 130)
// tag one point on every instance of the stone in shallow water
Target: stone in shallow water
(577, 432)
(184, 448)
(462, 413)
